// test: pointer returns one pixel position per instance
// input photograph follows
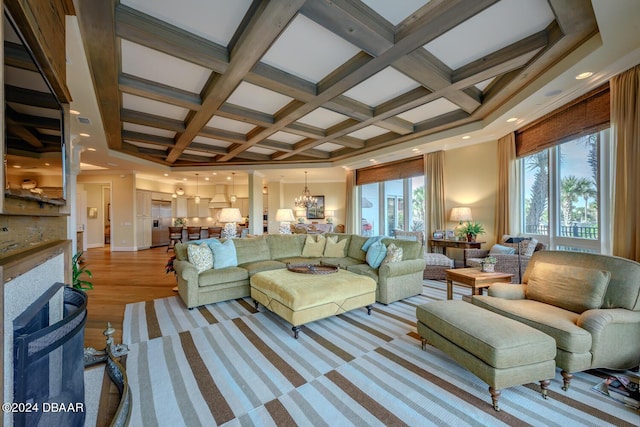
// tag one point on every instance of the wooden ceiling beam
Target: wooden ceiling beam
(151, 120)
(15, 55)
(262, 30)
(159, 92)
(128, 135)
(242, 114)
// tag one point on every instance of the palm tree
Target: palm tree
(568, 196)
(586, 188)
(539, 196)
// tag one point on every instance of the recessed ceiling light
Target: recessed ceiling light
(206, 178)
(17, 166)
(91, 149)
(74, 112)
(512, 119)
(466, 137)
(228, 178)
(415, 149)
(165, 174)
(84, 134)
(583, 76)
(47, 164)
(372, 160)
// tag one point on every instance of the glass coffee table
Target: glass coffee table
(473, 278)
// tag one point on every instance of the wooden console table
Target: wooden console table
(461, 244)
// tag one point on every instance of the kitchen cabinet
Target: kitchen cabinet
(179, 207)
(143, 219)
(242, 203)
(200, 210)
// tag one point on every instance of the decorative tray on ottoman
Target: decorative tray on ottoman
(312, 268)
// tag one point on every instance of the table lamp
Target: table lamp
(460, 215)
(230, 216)
(517, 240)
(285, 217)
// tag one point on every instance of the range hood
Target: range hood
(219, 199)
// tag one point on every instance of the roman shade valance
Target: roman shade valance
(588, 114)
(401, 169)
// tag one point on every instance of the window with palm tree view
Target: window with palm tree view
(565, 194)
(390, 205)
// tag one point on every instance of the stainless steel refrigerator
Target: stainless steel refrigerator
(161, 220)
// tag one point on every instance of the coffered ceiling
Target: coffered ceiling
(218, 82)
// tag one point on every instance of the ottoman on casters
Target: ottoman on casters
(501, 352)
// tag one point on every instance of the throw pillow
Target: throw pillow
(335, 249)
(200, 256)
(502, 249)
(224, 254)
(376, 253)
(531, 247)
(312, 248)
(394, 254)
(370, 241)
(575, 289)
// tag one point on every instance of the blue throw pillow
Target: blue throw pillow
(370, 241)
(501, 249)
(376, 254)
(224, 254)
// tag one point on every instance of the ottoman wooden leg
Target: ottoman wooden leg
(369, 308)
(495, 395)
(566, 379)
(256, 303)
(544, 385)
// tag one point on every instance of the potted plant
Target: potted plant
(489, 264)
(470, 230)
(78, 271)
(179, 222)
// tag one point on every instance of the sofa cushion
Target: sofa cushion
(438, 259)
(502, 249)
(364, 269)
(530, 246)
(222, 276)
(410, 249)
(376, 254)
(335, 248)
(285, 245)
(258, 266)
(200, 256)
(355, 248)
(314, 247)
(224, 254)
(553, 321)
(394, 254)
(573, 288)
(343, 262)
(252, 249)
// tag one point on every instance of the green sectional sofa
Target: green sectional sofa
(396, 280)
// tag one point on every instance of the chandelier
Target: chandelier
(305, 200)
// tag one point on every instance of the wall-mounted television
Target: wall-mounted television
(34, 152)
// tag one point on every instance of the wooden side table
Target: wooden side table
(444, 244)
(473, 278)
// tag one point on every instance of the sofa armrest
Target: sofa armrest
(185, 270)
(395, 269)
(507, 291)
(615, 337)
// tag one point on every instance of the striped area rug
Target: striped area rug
(228, 364)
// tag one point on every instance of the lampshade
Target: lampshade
(460, 214)
(301, 213)
(284, 215)
(230, 215)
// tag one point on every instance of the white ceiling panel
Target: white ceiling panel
(322, 118)
(395, 11)
(381, 87)
(229, 124)
(158, 67)
(427, 111)
(500, 25)
(149, 106)
(216, 20)
(368, 132)
(149, 130)
(329, 146)
(308, 50)
(287, 137)
(260, 150)
(199, 153)
(258, 98)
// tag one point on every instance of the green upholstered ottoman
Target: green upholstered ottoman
(500, 351)
(301, 298)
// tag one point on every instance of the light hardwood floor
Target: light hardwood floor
(120, 278)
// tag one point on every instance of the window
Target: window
(563, 194)
(389, 205)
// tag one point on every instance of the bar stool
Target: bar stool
(175, 236)
(193, 233)
(215, 231)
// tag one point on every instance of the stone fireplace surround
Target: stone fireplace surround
(25, 276)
